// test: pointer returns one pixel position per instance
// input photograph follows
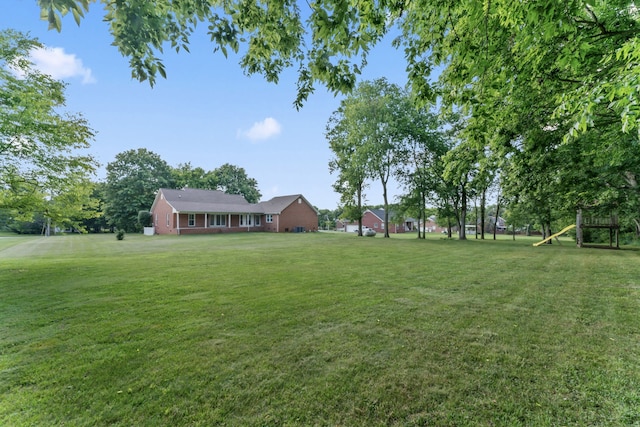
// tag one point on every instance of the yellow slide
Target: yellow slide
(564, 230)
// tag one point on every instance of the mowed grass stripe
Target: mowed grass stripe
(316, 329)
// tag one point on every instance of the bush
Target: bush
(120, 235)
(145, 218)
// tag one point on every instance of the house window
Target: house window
(192, 220)
(217, 220)
(375, 225)
(299, 201)
(245, 219)
(269, 218)
(168, 221)
(256, 220)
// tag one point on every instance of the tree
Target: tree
(185, 175)
(366, 136)
(234, 180)
(97, 223)
(379, 110)
(327, 218)
(39, 143)
(461, 169)
(425, 144)
(63, 208)
(514, 68)
(72, 204)
(133, 178)
(273, 35)
(486, 48)
(228, 178)
(349, 161)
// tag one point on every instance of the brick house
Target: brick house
(431, 226)
(193, 211)
(374, 219)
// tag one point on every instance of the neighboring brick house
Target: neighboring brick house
(374, 219)
(431, 226)
(193, 211)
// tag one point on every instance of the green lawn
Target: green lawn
(316, 329)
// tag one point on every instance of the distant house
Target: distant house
(193, 211)
(501, 225)
(431, 226)
(374, 219)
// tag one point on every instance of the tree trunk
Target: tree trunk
(549, 233)
(360, 210)
(579, 238)
(423, 213)
(462, 233)
(386, 209)
(483, 202)
(495, 226)
(475, 207)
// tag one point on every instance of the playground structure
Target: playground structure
(564, 230)
(582, 222)
(610, 223)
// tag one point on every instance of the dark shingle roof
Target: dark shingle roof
(201, 201)
(194, 200)
(379, 213)
(278, 204)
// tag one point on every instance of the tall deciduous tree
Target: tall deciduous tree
(97, 223)
(40, 145)
(228, 178)
(133, 179)
(379, 109)
(71, 205)
(349, 161)
(67, 207)
(366, 136)
(460, 168)
(185, 175)
(234, 180)
(425, 144)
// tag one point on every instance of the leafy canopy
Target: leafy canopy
(40, 145)
(133, 179)
(587, 49)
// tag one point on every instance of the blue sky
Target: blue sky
(207, 112)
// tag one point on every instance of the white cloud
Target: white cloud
(60, 65)
(260, 131)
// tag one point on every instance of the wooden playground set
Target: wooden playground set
(583, 222)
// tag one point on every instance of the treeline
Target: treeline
(532, 169)
(132, 181)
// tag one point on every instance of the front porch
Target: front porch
(212, 223)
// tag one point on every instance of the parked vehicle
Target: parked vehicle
(366, 231)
